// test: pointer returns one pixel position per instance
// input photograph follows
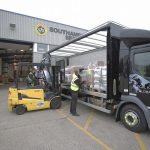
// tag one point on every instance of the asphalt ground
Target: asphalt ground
(59, 130)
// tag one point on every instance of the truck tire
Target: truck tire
(133, 118)
(55, 102)
(20, 109)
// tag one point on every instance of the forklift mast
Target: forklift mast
(55, 72)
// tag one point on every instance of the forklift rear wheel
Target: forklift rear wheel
(55, 102)
(133, 118)
(20, 109)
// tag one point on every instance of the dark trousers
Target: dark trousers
(73, 102)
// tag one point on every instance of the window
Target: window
(142, 64)
(42, 48)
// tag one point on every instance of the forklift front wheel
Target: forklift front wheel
(55, 102)
(20, 109)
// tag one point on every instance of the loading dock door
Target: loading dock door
(12, 52)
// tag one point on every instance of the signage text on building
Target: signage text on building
(41, 29)
(68, 34)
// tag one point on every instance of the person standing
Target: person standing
(75, 84)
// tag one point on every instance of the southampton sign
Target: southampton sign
(41, 29)
(68, 34)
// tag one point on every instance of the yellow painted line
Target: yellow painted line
(101, 143)
(140, 141)
(88, 122)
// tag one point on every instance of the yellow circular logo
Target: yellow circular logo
(41, 29)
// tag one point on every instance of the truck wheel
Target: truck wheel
(55, 102)
(133, 118)
(20, 109)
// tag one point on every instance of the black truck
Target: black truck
(128, 72)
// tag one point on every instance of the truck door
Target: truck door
(139, 76)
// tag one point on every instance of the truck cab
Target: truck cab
(134, 79)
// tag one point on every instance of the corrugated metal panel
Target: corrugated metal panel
(25, 29)
(86, 59)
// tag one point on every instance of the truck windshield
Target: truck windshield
(142, 64)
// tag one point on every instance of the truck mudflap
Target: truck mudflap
(127, 99)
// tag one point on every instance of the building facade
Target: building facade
(40, 34)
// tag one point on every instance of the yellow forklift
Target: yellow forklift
(24, 97)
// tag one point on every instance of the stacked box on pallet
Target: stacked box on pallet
(94, 76)
(83, 75)
(97, 75)
(84, 78)
(68, 75)
(103, 81)
(100, 79)
(90, 76)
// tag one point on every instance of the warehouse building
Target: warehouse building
(25, 39)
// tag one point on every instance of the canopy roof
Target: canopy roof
(92, 40)
(97, 38)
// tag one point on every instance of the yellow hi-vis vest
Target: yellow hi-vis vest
(74, 87)
(31, 80)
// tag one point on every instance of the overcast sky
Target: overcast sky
(85, 14)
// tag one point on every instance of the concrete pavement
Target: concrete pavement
(58, 130)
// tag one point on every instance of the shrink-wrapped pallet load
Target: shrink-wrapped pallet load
(100, 79)
(97, 74)
(68, 75)
(90, 76)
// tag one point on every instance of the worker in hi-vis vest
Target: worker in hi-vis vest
(31, 79)
(75, 84)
